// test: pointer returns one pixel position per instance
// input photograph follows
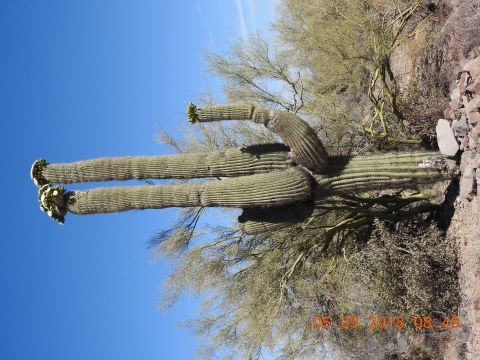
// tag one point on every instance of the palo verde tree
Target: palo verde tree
(332, 61)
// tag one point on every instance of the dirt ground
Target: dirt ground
(464, 229)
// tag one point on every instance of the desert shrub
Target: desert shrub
(417, 271)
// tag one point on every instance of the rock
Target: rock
(464, 143)
(474, 87)
(473, 66)
(467, 182)
(463, 165)
(472, 105)
(451, 163)
(472, 144)
(463, 82)
(460, 128)
(455, 97)
(445, 138)
(473, 118)
(476, 162)
(449, 114)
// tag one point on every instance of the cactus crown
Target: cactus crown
(49, 197)
(36, 172)
(191, 113)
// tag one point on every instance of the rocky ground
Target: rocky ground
(458, 137)
(453, 62)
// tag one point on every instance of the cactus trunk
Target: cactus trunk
(380, 172)
(248, 160)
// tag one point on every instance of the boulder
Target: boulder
(445, 138)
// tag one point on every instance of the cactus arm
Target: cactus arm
(257, 220)
(307, 150)
(260, 190)
(248, 160)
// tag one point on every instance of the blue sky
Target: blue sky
(80, 80)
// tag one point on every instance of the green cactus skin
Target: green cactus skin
(219, 112)
(307, 150)
(248, 160)
(261, 190)
(257, 221)
(376, 172)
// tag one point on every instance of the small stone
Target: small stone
(460, 127)
(456, 96)
(473, 66)
(464, 143)
(476, 161)
(472, 144)
(445, 138)
(467, 187)
(455, 105)
(475, 86)
(451, 163)
(473, 118)
(463, 165)
(463, 82)
(473, 104)
(449, 114)
(468, 171)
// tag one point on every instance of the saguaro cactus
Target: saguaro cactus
(275, 185)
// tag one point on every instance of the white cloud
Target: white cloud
(210, 36)
(251, 13)
(241, 18)
(199, 8)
